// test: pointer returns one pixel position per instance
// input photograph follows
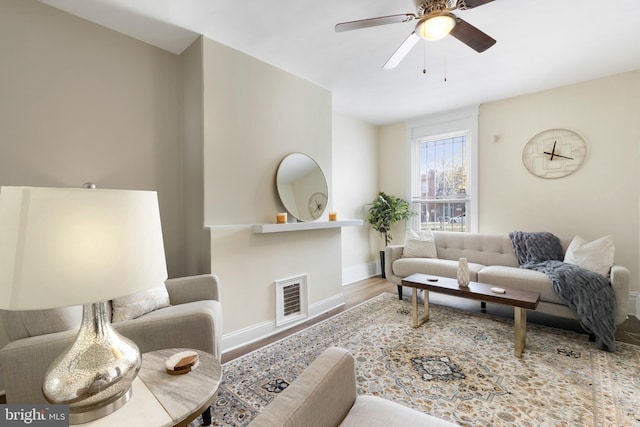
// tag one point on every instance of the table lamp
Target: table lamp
(73, 246)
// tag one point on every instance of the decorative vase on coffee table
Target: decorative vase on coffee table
(463, 273)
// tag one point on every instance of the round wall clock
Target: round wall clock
(317, 203)
(554, 153)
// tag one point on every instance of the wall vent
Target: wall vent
(291, 300)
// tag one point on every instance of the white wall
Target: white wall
(602, 197)
(254, 115)
(355, 177)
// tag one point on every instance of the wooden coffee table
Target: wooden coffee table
(519, 300)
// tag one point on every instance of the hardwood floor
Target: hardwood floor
(354, 294)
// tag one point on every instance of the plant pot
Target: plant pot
(383, 275)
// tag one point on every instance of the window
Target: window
(443, 200)
(442, 173)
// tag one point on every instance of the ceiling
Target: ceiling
(541, 44)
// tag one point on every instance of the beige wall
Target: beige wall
(601, 198)
(254, 115)
(393, 166)
(82, 103)
(355, 177)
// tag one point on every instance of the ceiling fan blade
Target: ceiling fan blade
(470, 4)
(471, 36)
(402, 51)
(374, 22)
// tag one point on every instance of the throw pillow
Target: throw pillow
(595, 256)
(135, 305)
(419, 245)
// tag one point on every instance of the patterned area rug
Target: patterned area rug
(458, 366)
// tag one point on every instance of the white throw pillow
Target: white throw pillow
(595, 256)
(135, 305)
(419, 245)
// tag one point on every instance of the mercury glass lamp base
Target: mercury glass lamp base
(97, 413)
(93, 375)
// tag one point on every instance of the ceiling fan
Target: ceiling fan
(435, 20)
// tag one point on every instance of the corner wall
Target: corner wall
(254, 115)
(197, 253)
(83, 103)
(355, 166)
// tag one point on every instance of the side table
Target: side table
(160, 399)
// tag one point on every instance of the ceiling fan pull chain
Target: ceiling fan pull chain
(424, 60)
(445, 63)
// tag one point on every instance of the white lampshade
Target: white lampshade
(64, 247)
(436, 27)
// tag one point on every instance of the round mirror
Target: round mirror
(302, 187)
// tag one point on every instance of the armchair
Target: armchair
(193, 320)
(325, 395)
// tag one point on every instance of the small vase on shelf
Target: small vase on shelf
(463, 273)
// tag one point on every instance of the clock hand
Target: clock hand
(553, 151)
(558, 155)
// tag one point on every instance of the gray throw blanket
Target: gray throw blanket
(587, 293)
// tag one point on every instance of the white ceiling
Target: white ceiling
(541, 44)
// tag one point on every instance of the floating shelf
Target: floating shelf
(299, 226)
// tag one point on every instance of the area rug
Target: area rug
(458, 366)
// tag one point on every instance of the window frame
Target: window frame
(442, 126)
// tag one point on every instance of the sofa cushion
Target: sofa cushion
(404, 267)
(520, 279)
(419, 245)
(135, 305)
(595, 256)
(372, 411)
(479, 248)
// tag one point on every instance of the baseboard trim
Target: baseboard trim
(251, 334)
(356, 273)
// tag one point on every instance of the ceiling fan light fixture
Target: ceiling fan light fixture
(436, 27)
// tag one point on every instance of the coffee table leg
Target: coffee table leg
(417, 321)
(206, 417)
(520, 321)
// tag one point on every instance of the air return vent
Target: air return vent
(291, 299)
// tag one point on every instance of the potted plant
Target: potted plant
(385, 211)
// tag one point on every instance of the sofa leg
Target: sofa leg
(400, 292)
(483, 306)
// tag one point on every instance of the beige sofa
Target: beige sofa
(324, 395)
(492, 260)
(194, 320)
